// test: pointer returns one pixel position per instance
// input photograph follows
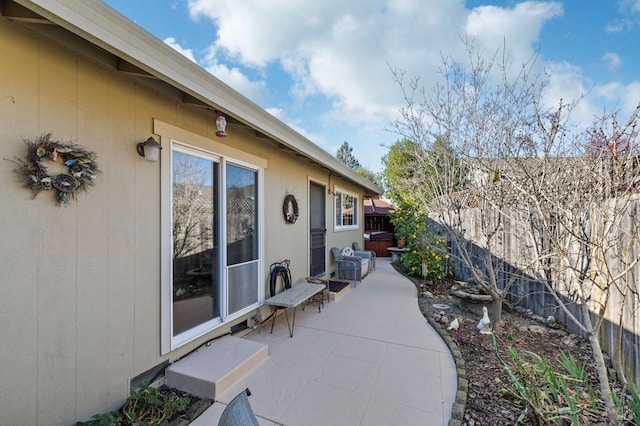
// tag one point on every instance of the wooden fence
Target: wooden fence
(620, 332)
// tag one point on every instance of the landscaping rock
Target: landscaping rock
(538, 329)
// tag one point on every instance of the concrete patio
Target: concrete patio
(369, 358)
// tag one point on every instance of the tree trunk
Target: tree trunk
(496, 312)
(601, 368)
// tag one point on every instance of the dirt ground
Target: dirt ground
(486, 404)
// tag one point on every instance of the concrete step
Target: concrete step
(212, 370)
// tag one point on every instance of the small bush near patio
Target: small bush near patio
(147, 406)
(427, 257)
(423, 247)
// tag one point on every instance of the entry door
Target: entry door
(317, 229)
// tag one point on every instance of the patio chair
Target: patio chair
(369, 253)
(239, 412)
(365, 259)
(347, 267)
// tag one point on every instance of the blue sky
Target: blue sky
(322, 67)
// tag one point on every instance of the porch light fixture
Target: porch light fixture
(221, 124)
(149, 149)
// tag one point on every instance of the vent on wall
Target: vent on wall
(149, 376)
(239, 327)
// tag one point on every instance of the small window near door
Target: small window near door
(346, 210)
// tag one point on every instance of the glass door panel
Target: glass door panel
(196, 277)
(242, 237)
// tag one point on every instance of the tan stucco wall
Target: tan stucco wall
(80, 305)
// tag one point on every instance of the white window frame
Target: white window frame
(173, 137)
(340, 193)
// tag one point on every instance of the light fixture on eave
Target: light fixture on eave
(149, 149)
(221, 125)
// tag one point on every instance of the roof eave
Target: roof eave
(116, 34)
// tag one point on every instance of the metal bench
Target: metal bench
(291, 298)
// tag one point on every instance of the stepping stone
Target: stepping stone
(210, 371)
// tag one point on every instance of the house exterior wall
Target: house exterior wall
(80, 304)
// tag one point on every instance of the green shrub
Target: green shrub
(147, 406)
(547, 396)
(628, 404)
(427, 256)
(634, 403)
(424, 247)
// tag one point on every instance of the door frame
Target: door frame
(315, 231)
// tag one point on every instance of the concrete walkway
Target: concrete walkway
(369, 358)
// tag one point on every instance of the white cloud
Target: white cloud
(258, 32)
(188, 53)
(631, 97)
(234, 77)
(276, 112)
(618, 96)
(633, 6)
(615, 27)
(569, 83)
(295, 125)
(612, 60)
(610, 91)
(629, 10)
(342, 50)
(518, 27)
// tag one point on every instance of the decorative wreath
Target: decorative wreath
(32, 170)
(290, 209)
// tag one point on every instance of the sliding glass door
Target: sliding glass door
(196, 277)
(214, 242)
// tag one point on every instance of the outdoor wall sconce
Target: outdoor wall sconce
(149, 149)
(221, 125)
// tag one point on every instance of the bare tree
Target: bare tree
(192, 211)
(519, 172)
(580, 195)
(460, 130)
